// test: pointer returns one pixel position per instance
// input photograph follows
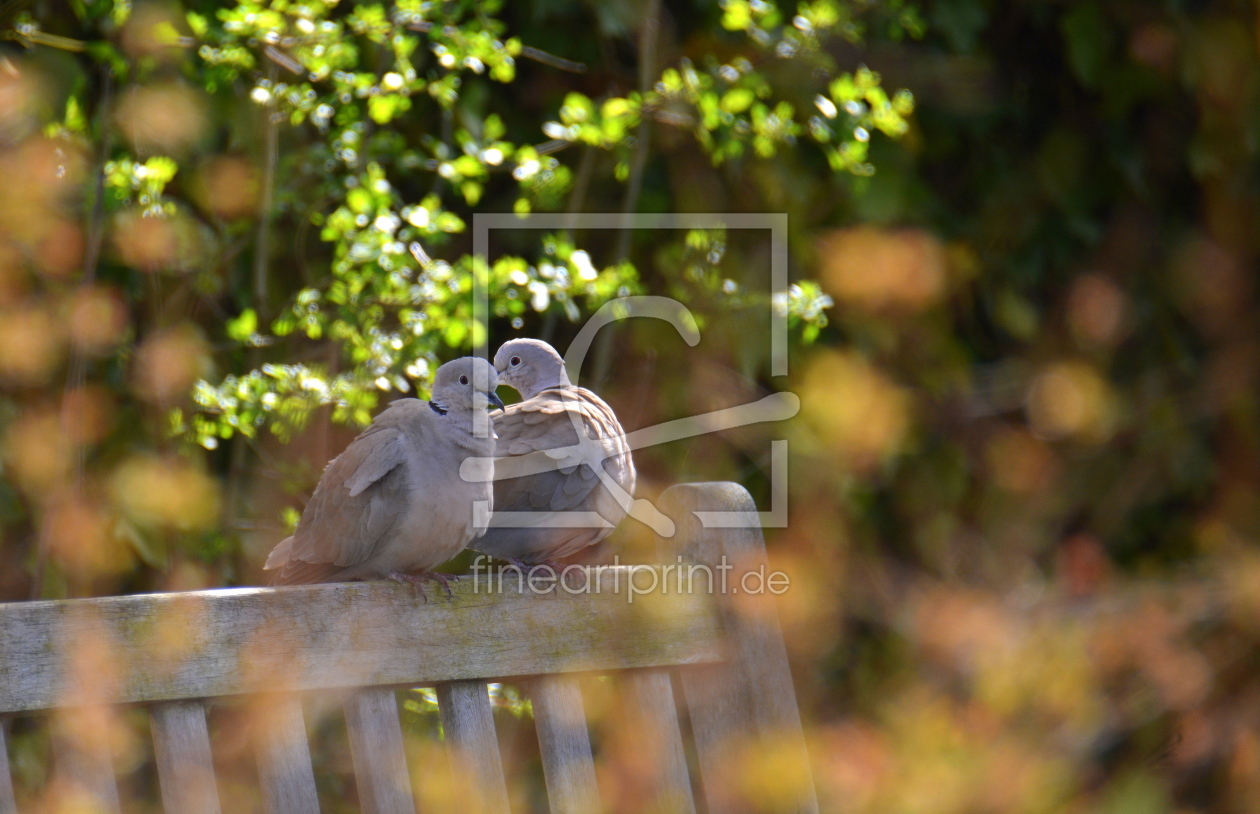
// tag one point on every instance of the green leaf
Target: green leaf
(359, 200)
(75, 121)
(121, 13)
(1087, 38)
(736, 15)
(615, 107)
(198, 23)
(737, 100)
(492, 129)
(244, 326)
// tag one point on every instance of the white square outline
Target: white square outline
(775, 222)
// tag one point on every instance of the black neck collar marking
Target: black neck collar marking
(436, 408)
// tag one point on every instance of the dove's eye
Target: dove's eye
(514, 361)
(463, 380)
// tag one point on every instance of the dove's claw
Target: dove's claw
(412, 580)
(445, 579)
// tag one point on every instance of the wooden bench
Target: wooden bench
(173, 652)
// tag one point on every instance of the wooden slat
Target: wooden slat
(748, 702)
(181, 744)
(380, 765)
(568, 765)
(651, 694)
(284, 757)
(721, 722)
(468, 723)
(210, 643)
(88, 769)
(8, 805)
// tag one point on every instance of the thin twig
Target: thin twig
(284, 60)
(219, 314)
(671, 117)
(32, 37)
(77, 372)
(92, 254)
(262, 242)
(577, 199)
(157, 308)
(529, 52)
(546, 148)
(638, 162)
(299, 249)
(553, 146)
(262, 251)
(448, 133)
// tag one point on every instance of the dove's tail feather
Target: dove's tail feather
(279, 555)
(296, 572)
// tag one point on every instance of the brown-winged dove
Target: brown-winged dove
(547, 423)
(393, 503)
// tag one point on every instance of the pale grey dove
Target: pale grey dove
(547, 422)
(393, 503)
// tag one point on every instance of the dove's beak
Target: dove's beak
(494, 399)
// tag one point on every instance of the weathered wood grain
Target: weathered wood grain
(468, 723)
(210, 643)
(568, 766)
(651, 695)
(8, 805)
(284, 757)
(181, 744)
(88, 768)
(722, 725)
(168, 647)
(380, 765)
(747, 702)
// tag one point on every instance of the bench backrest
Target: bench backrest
(172, 652)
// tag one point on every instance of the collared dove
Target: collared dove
(393, 503)
(547, 423)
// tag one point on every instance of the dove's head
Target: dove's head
(529, 366)
(464, 385)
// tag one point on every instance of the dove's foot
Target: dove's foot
(417, 581)
(520, 565)
(528, 567)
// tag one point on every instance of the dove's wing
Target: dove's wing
(548, 423)
(359, 499)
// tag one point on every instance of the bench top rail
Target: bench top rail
(174, 651)
(163, 647)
